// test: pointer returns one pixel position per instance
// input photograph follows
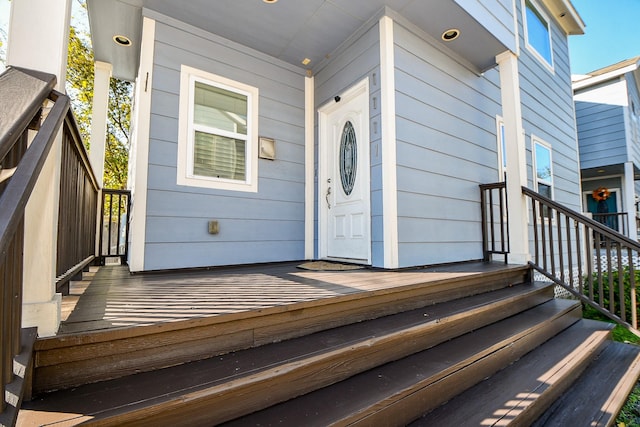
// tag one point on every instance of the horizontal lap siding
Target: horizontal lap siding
(601, 124)
(266, 226)
(548, 113)
(446, 146)
(634, 118)
(601, 134)
(494, 14)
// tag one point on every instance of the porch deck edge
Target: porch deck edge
(99, 336)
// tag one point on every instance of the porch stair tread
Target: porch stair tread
(276, 372)
(521, 392)
(398, 392)
(281, 304)
(597, 396)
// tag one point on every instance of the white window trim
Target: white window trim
(537, 141)
(530, 47)
(188, 77)
(501, 147)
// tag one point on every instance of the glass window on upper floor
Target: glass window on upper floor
(538, 32)
(542, 167)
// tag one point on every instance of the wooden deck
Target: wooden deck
(114, 298)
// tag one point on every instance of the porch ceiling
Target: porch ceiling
(287, 30)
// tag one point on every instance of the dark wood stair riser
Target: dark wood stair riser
(399, 392)
(289, 380)
(65, 362)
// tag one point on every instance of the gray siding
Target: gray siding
(266, 226)
(548, 113)
(634, 119)
(496, 15)
(601, 134)
(446, 146)
(360, 59)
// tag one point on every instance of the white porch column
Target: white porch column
(38, 38)
(309, 184)
(629, 201)
(99, 118)
(516, 158)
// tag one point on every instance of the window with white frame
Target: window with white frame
(217, 146)
(538, 32)
(502, 149)
(542, 168)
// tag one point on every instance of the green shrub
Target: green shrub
(615, 275)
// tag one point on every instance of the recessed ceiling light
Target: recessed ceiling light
(122, 40)
(306, 61)
(269, 1)
(450, 34)
(601, 171)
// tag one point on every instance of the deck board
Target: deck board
(114, 298)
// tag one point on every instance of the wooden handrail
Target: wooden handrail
(26, 90)
(17, 192)
(569, 248)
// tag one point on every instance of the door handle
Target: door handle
(327, 197)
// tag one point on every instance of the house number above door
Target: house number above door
(348, 158)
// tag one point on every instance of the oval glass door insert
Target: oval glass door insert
(348, 158)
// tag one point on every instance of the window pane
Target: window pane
(538, 32)
(504, 147)
(543, 162)
(545, 190)
(221, 109)
(219, 157)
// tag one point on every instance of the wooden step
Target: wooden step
(596, 398)
(72, 360)
(520, 393)
(398, 392)
(249, 380)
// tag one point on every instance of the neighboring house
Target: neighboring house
(607, 113)
(238, 122)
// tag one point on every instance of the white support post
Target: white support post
(516, 158)
(38, 39)
(388, 143)
(309, 140)
(629, 201)
(99, 118)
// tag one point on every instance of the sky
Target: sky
(612, 33)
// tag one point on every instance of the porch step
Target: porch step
(396, 393)
(598, 395)
(521, 392)
(222, 388)
(69, 360)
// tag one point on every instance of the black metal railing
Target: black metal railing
(590, 260)
(25, 93)
(114, 224)
(495, 220)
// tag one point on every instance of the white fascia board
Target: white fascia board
(581, 84)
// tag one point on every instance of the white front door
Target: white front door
(344, 189)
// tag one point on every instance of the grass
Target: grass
(629, 415)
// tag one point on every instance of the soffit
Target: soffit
(287, 30)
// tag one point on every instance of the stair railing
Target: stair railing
(25, 94)
(114, 224)
(593, 262)
(77, 213)
(495, 220)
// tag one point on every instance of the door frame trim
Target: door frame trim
(359, 88)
